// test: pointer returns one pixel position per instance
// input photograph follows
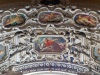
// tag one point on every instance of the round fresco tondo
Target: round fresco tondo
(86, 20)
(96, 53)
(3, 53)
(14, 20)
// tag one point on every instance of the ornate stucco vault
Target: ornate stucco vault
(50, 37)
